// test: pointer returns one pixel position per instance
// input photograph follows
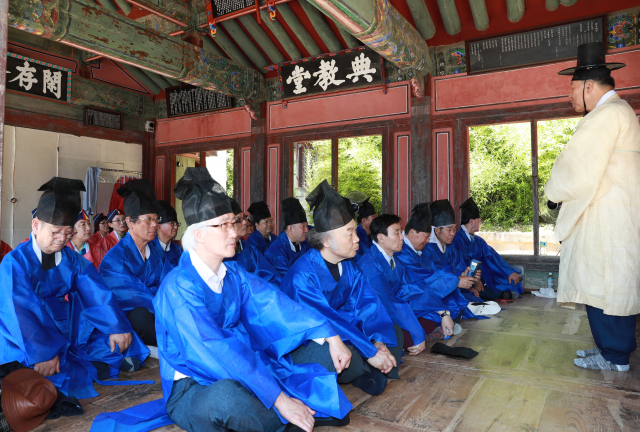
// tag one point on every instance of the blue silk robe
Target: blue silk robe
(350, 304)
(133, 281)
(173, 254)
(387, 285)
(280, 254)
(424, 277)
(365, 242)
(254, 262)
(259, 242)
(38, 323)
(495, 270)
(245, 334)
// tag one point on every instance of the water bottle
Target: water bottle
(543, 245)
(550, 281)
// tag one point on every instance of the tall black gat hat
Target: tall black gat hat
(329, 208)
(293, 212)
(442, 214)
(235, 206)
(591, 63)
(60, 202)
(469, 211)
(366, 209)
(420, 219)
(166, 212)
(139, 198)
(202, 197)
(258, 211)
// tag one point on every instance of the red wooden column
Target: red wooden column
(273, 182)
(4, 13)
(443, 164)
(402, 175)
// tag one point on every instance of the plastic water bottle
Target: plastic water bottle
(543, 245)
(550, 281)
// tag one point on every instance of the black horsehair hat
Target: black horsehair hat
(591, 63)
(235, 206)
(366, 209)
(420, 220)
(258, 211)
(202, 197)
(59, 203)
(442, 213)
(330, 211)
(166, 212)
(139, 198)
(293, 212)
(469, 210)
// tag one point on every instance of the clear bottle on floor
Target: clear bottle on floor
(543, 245)
(550, 280)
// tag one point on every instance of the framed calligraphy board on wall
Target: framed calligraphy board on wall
(544, 45)
(187, 99)
(38, 78)
(102, 118)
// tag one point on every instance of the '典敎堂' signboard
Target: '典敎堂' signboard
(38, 78)
(187, 99)
(536, 46)
(344, 70)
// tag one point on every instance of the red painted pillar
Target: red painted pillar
(4, 13)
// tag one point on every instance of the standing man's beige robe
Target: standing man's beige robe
(597, 180)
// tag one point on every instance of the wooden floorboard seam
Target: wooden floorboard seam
(458, 417)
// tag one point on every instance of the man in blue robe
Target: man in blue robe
(291, 244)
(247, 255)
(167, 232)
(57, 315)
(225, 335)
(365, 214)
(386, 276)
(328, 281)
(442, 255)
(421, 276)
(502, 279)
(261, 219)
(132, 268)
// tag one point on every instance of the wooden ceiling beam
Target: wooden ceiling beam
(351, 41)
(281, 34)
(422, 18)
(229, 48)
(450, 18)
(298, 29)
(321, 27)
(142, 77)
(480, 16)
(160, 82)
(261, 37)
(108, 5)
(124, 6)
(94, 29)
(245, 43)
(515, 10)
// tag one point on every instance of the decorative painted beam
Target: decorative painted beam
(298, 29)
(379, 25)
(348, 37)
(568, 3)
(259, 35)
(93, 93)
(109, 5)
(515, 10)
(142, 78)
(91, 28)
(172, 82)
(208, 45)
(450, 18)
(160, 82)
(422, 18)
(232, 51)
(320, 25)
(245, 43)
(551, 5)
(177, 11)
(281, 34)
(124, 6)
(480, 16)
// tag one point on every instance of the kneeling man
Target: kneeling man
(57, 314)
(225, 335)
(328, 281)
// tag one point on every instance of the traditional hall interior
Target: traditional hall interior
(148, 88)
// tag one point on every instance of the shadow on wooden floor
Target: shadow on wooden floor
(523, 379)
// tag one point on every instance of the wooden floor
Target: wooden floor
(522, 380)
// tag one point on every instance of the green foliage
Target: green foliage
(500, 168)
(229, 185)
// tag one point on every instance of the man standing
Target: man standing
(290, 244)
(261, 219)
(597, 180)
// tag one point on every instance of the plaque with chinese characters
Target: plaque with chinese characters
(38, 78)
(186, 99)
(102, 118)
(224, 7)
(536, 46)
(340, 71)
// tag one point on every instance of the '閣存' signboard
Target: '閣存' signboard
(38, 78)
